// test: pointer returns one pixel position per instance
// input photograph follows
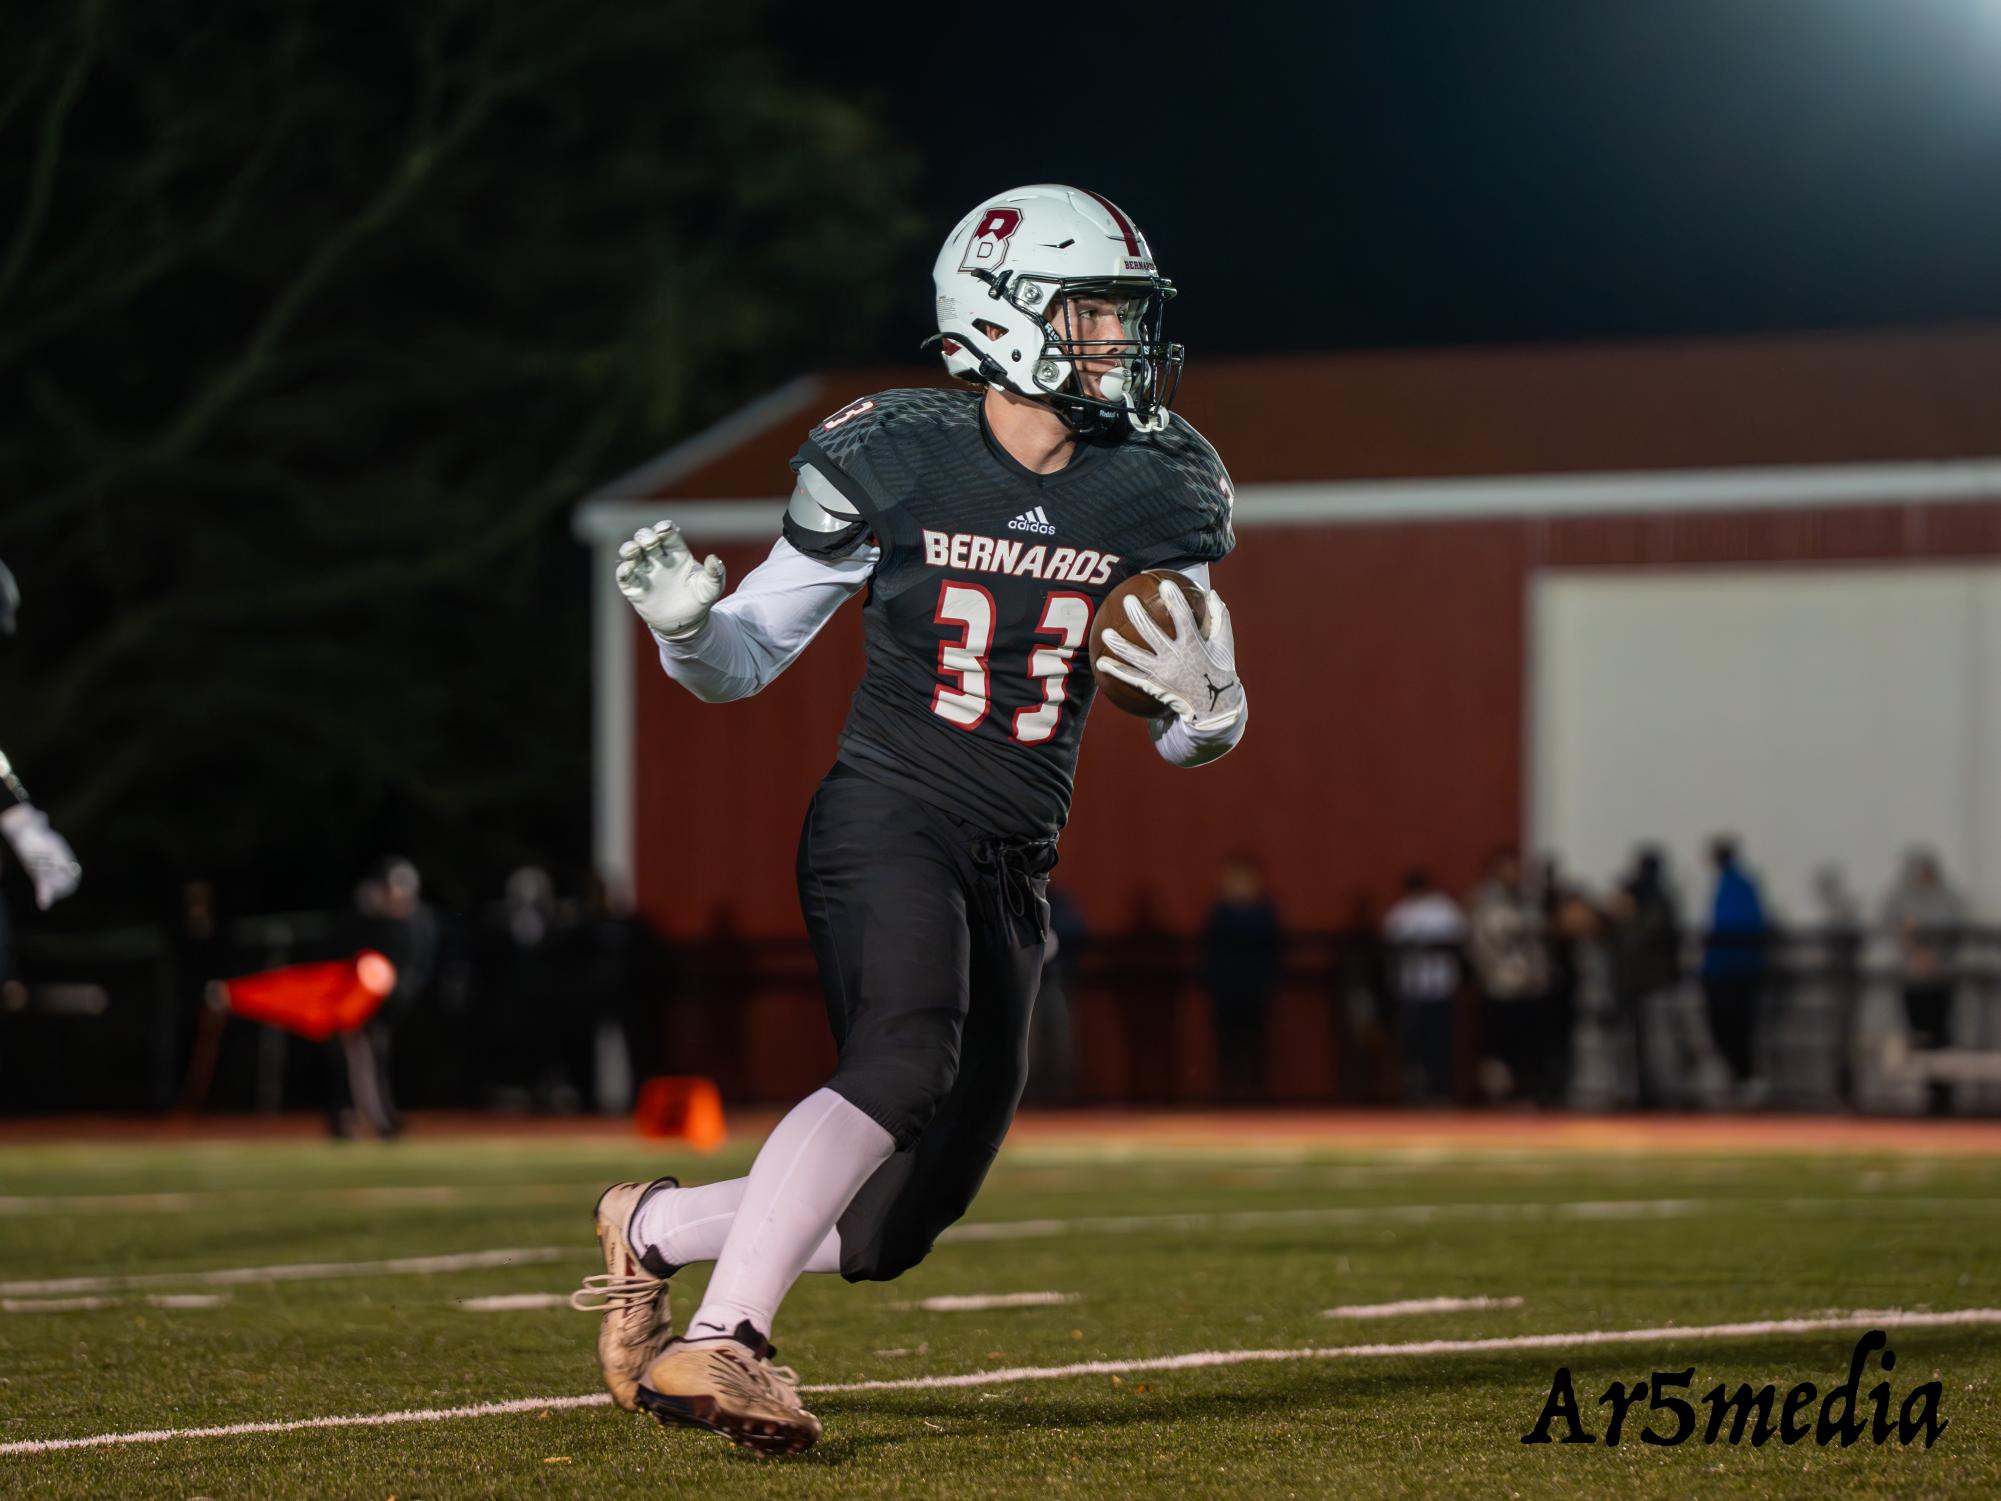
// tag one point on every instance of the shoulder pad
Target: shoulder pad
(818, 505)
(1197, 461)
(1192, 499)
(850, 429)
(1207, 482)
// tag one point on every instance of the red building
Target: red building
(1399, 517)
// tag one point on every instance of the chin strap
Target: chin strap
(990, 370)
(1088, 421)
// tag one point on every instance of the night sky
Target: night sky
(1424, 172)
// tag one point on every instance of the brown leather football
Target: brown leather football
(1112, 613)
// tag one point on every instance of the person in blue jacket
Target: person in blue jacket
(1733, 960)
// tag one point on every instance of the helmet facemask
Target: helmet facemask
(1137, 388)
(1135, 392)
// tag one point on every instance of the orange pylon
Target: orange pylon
(681, 1107)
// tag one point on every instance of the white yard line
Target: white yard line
(1334, 1214)
(57, 1305)
(1416, 1305)
(1426, 1214)
(1036, 1229)
(974, 1302)
(380, 1196)
(297, 1271)
(91, 1304)
(510, 1302)
(160, 1203)
(357, 1420)
(1878, 1319)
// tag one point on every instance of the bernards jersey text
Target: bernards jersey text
(976, 687)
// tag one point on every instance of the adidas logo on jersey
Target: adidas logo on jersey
(1034, 519)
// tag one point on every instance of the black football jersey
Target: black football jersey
(977, 617)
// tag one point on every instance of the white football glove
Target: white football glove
(670, 590)
(44, 854)
(1193, 673)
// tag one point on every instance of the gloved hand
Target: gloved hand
(671, 591)
(1193, 672)
(46, 856)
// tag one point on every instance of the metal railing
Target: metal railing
(108, 1024)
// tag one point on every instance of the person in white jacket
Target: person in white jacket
(51, 865)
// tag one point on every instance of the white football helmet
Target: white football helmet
(1004, 279)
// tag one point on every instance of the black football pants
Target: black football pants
(929, 937)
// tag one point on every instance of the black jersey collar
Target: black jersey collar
(1083, 456)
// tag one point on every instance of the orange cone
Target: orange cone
(681, 1107)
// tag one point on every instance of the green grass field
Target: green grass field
(1168, 1251)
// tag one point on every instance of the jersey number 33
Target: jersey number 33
(964, 694)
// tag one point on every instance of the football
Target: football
(1112, 613)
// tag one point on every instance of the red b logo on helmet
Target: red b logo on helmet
(988, 246)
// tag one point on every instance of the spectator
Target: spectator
(1733, 961)
(1596, 1085)
(607, 941)
(43, 855)
(1364, 1021)
(1927, 918)
(1841, 939)
(1424, 931)
(1241, 951)
(391, 917)
(1510, 959)
(1149, 966)
(1646, 976)
(200, 955)
(547, 1021)
(1840, 912)
(1559, 1009)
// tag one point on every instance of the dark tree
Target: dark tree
(315, 318)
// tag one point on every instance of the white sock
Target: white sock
(808, 1171)
(686, 1225)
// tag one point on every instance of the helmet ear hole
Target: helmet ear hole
(989, 329)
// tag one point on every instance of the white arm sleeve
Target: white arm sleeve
(753, 635)
(1177, 743)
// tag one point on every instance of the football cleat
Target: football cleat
(730, 1386)
(632, 1294)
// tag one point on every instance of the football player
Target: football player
(986, 525)
(44, 854)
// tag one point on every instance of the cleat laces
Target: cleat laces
(604, 1291)
(751, 1378)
